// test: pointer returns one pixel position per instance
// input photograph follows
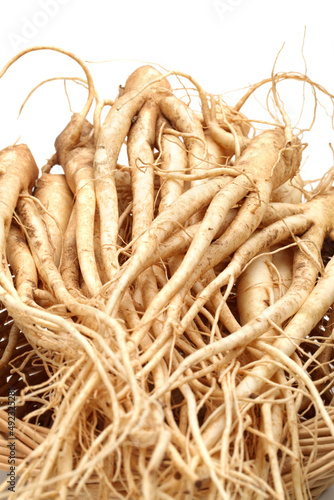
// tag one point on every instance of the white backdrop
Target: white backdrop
(224, 44)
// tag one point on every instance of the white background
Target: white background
(224, 44)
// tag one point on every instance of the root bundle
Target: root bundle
(167, 324)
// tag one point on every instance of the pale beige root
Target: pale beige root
(97, 249)
(207, 230)
(319, 209)
(22, 264)
(270, 157)
(217, 304)
(77, 162)
(64, 79)
(229, 118)
(216, 154)
(255, 292)
(127, 307)
(254, 289)
(111, 137)
(272, 166)
(18, 172)
(173, 158)
(279, 77)
(137, 428)
(100, 104)
(56, 197)
(290, 191)
(62, 451)
(163, 342)
(140, 145)
(298, 480)
(225, 314)
(198, 438)
(185, 121)
(148, 286)
(162, 323)
(69, 268)
(272, 426)
(305, 273)
(76, 132)
(312, 310)
(279, 231)
(68, 334)
(302, 298)
(293, 367)
(163, 226)
(227, 136)
(229, 140)
(278, 211)
(159, 373)
(179, 241)
(42, 252)
(194, 272)
(11, 345)
(261, 462)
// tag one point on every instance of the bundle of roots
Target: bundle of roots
(167, 322)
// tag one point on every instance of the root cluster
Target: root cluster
(167, 321)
